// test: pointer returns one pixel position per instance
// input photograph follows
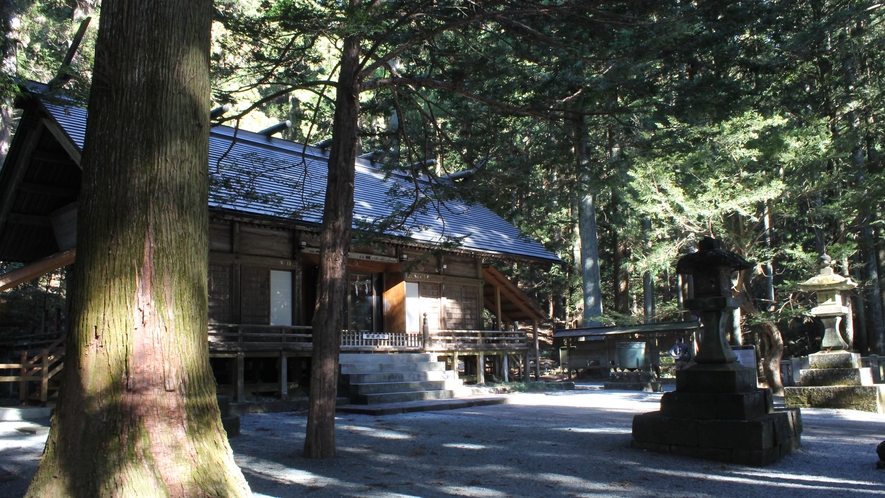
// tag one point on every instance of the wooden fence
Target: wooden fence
(42, 368)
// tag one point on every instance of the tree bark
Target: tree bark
(328, 320)
(771, 347)
(771, 360)
(590, 275)
(137, 414)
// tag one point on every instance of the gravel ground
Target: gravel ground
(564, 444)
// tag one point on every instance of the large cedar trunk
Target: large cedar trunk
(590, 274)
(328, 321)
(137, 413)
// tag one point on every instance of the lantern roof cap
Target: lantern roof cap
(827, 279)
(710, 255)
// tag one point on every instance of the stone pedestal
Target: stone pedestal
(717, 413)
(836, 380)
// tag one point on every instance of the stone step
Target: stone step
(349, 359)
(400, 397)
(396, 387)
(367, 368)
(421, 406)
(418, 375)
(836, 377)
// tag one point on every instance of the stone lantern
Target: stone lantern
(829, 286)
(835, 377)
(711, 269)
(717, 412)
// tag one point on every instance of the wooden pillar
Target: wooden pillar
(44, 378)
(425, 332)
(498, 314)
(537, 350)
(240, 388)
(480, 368)
(284, 376)
(526, 372)
(455, 363)
(506, 368)
(23, 384)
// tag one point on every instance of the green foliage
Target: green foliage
(33, 307)
(37, 36)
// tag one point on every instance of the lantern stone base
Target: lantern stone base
(718, 413)
(758, 441)
(633, 381)
(716, 378)
(836, 380)
(863, 398)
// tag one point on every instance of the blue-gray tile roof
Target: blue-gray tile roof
(272, 177)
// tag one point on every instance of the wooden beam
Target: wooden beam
(53, 190)
(30, 219)
(13, 172)
(491, 307)
(37, 269)
(66, 143)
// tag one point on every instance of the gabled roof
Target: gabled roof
(266, 177)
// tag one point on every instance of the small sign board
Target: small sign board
(746, 355)
(376, 336)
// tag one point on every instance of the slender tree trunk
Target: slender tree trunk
(137, 413)
(648, 284)
(7, 69)
(861, 343)
(622, 275)
(769, 268)
(328, 320)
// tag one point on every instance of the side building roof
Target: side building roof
(256, 175)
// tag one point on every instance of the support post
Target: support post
(525, 367)
(480, 369)
(240, 389)
(506, 368)
(537, 350)
(284, 376)
(23, 384)
(455, 364)
(425, 331)
(44, 378)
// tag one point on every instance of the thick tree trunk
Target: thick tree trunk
(137, 413)
(771, 358)
(771, 346)
(6, 125)
(334, 243)
(590, 274)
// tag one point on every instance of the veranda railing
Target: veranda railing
(240, 336)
